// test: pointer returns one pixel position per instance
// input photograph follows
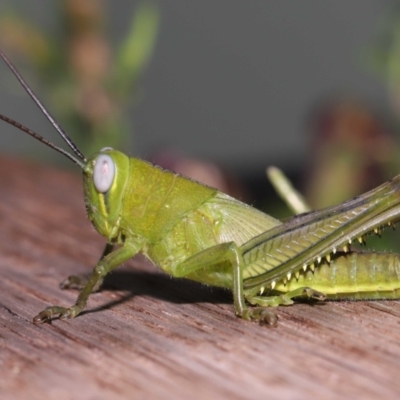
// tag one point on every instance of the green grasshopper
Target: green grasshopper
(194, 231)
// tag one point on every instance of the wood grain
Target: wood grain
(147, 335)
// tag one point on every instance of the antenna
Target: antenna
(42, 139)
(46, 113)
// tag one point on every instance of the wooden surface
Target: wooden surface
(147, 335)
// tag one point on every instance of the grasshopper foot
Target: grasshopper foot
(261, 314)
(313, 294)
(50, 313)
(78, 282)
(74, 282)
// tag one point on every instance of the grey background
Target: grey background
(233, 81)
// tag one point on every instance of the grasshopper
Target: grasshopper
(194, 231)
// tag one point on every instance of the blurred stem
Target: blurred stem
(294, 200)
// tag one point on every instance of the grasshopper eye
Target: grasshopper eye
(103, 173)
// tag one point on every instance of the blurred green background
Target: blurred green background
(217, 90)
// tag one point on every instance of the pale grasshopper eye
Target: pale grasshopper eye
(103, 173)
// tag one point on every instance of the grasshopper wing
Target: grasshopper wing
(237, 222)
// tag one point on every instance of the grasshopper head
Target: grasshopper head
(104, 180)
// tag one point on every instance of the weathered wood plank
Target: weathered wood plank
(149, 336)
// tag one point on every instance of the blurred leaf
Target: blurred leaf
(137, 48)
